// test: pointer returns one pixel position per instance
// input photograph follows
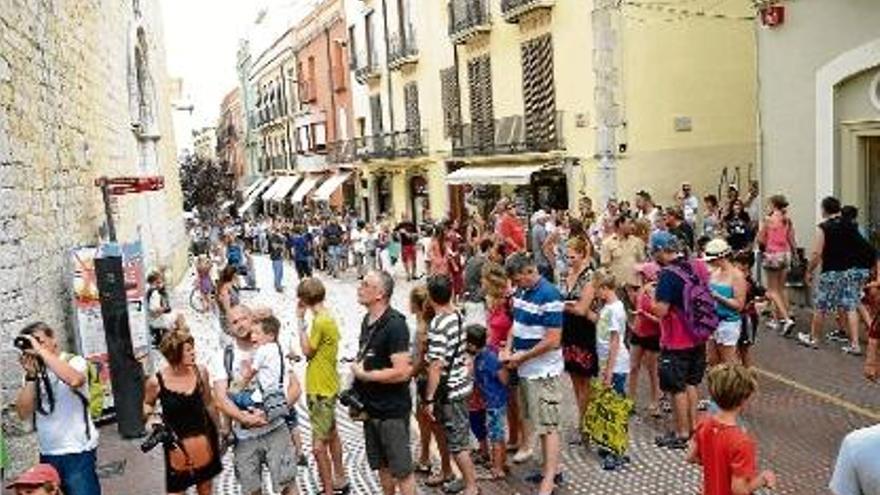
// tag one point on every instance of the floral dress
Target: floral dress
(579, 334)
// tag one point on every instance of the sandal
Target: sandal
(438, 480)
(423, 468)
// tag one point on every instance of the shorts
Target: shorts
(386, 442)
(453, 415)
(727, 333)
(679, 369)
(540, 403)
(273, 450)
(838, 291)
(478, 424)
(496, 424)
(322, 415)
(409, 253)
(774, 262)
(618, 383)
(647, 343)
(292, 418)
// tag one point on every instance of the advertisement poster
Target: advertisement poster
(90, 340)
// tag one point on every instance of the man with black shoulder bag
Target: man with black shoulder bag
(381, 385)
(449, 383)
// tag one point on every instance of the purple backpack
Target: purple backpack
(700, 317)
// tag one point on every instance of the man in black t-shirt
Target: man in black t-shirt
(674, 219)
(382, 382)
(409, 236)
(333, 239)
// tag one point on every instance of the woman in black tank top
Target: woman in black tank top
(183, 391)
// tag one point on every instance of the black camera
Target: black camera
(352, 400)
(22, 343)
(159, 434)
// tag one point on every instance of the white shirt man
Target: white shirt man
(858, 464)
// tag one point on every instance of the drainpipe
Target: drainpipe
(331, 85)
(387, 65)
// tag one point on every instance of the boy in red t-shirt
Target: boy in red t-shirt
(726, 452)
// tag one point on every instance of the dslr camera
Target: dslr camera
(352, 400)
(159, 434)
(22, 343)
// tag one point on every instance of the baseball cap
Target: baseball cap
(35, 476)
(664, 241)
(715, 249)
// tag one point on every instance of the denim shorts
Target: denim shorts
(496, 422)
(727, 333)
(77, 471)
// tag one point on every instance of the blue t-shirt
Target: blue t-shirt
(302, 246)
(486, 368)
(535, 310)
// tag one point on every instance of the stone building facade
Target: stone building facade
(83, 94)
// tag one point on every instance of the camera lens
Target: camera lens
(21, 343)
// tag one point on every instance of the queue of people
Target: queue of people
(505, 311)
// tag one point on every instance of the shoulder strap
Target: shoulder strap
(160, 380)
(228, 358)
(281, 360)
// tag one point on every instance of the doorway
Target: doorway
(871, 154)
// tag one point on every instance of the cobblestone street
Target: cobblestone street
(800, 415)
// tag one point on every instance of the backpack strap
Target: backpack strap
(228, 358)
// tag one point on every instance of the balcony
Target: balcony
(510, 137)
(403, 49)
(514, 10)
(467, 19)
(389, 146)
(367, 68)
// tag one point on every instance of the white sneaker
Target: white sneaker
(853, 351)
(787, 325)
(772, 324)
(807, 340)
(522, 456)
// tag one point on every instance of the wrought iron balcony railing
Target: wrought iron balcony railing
(513, 10)
(508, 135)
(468, 18)
(367, 68)
(403, 49)
(388, 146)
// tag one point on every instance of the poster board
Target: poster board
(89, 336)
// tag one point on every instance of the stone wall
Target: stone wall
(69, 96)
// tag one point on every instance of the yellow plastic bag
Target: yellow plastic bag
(606, 420)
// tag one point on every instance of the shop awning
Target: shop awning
(286, 184)
(304, 188)
(225, 204)
(331, 185)
(515, 175)
(280, 189)
(250, 189)
(264, 183)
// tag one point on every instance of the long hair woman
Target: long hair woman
(777, 241)
(578, 330)
(438, 262)
(420, 306)
(183, 389)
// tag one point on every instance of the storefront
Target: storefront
(420, 204)
(478, 188)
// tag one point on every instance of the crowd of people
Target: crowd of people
(504, 308)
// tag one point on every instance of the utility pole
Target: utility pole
(608, 112)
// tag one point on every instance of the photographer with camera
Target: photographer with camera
(258, 442)
(55, 394)
(380, 394)
(187, 428)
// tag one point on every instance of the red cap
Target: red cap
(36, 475)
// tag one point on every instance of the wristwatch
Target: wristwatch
(30, 378)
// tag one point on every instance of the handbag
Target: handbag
(275, 402)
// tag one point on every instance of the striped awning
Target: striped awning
(331, 185)
(304, 188)
(517, 175)
(255, 193)
(280, 189)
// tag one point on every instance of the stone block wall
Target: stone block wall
(69, 95)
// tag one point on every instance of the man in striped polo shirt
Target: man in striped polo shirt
(533, 349)
(449, 383)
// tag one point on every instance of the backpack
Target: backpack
(700, 317)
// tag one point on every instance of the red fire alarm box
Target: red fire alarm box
(772, 15)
